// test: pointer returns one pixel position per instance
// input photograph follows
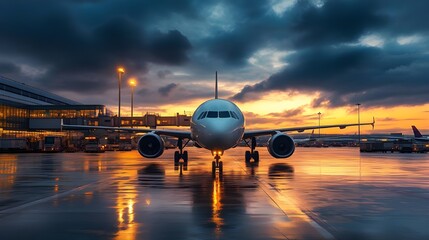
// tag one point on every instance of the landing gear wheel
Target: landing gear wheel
(176, 158)
(248, 156)
(220, 167)
(256, 156)
(185, 157)
(213, 167)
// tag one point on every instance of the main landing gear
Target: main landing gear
(181, 155)
(217, 163)
(252, 153)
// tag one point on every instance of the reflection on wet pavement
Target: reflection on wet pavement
(316, 194)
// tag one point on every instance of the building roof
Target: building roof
(14, 91)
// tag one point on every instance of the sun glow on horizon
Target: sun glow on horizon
(288, 109)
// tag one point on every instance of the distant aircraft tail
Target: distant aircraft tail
(417, 133)
(312, 135)
(216, 94)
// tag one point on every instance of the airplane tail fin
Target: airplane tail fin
(312, 135)
(417, 133)
(216, 91)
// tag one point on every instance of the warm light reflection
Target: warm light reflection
(100, 165)
(125, 203)
(217, 205)
(8, 169)
(86, 165)
(127, 228)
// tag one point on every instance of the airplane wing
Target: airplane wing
(255, 133)
(165, 132)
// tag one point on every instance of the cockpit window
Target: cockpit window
(234, 115)
(212, 114)
(202, 115)
(224, 114)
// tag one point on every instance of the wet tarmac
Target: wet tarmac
(318, 193)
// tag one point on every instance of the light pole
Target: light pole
(358, 110)
(319, 113)
(132, 82)
(121, 72)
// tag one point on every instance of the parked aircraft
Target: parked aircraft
(217, 125)
(418, 136)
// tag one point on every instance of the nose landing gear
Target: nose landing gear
(217, 164)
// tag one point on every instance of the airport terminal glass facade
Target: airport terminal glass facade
(19, 103)
(61, 111)
(12, 117)
(15, 118)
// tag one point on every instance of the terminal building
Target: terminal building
(32, 113)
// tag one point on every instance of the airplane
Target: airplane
(311, 138)
(418, 136)
(217, 125)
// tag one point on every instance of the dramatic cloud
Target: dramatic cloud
(335, 55)
(350, 74)
(368, 51)
(65, 39)
(174, 93)
(165, 91)
(163, 73)
(289, 113)
(9, 68)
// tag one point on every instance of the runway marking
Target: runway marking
(287, 205)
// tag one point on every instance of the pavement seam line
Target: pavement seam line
(266, 189)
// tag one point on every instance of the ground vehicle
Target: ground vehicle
(92, 144)
(14, 145)
(125, 144)
(52, 144)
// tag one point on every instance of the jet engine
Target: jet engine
(281, 145)
(150, 145)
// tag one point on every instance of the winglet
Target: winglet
(373, 123)
(216, 94)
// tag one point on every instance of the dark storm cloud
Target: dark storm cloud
(350, 74)
(165, 91)
(163, 73)
(304, 25)
(328, 58)
(72, 46)
(9, 68)
(76, 45)
(176, 93)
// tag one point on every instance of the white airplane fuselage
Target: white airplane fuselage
(217, 125)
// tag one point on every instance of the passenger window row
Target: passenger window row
(220, 114)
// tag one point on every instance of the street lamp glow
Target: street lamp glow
(121, 72)
(132, 82)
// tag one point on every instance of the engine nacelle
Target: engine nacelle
(281, 146)
(150, 145)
